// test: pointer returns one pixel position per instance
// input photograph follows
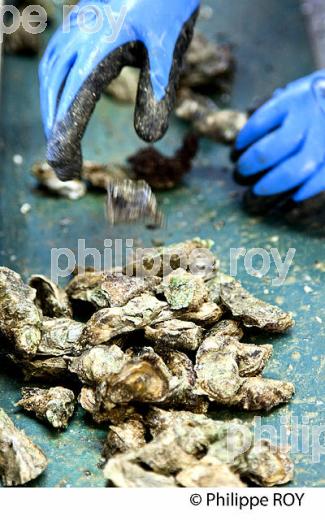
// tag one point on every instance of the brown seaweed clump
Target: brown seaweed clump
(161, 172)
(167, 342)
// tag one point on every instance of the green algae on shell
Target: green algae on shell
(184, 290)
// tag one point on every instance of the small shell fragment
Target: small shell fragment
(252, 359)
(192, 107)
(53, 405)
(132, 201)
(45, 175)
(215, 283)
(103, 412)
(221, 125)
(86, 287)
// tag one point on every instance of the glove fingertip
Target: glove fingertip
(64, 156)
(65, 172)
(244, 139)
(151, 116)
(151, 123)
(158, 83)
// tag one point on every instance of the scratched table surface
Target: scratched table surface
(271, 48)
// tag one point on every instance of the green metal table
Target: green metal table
(272, 48)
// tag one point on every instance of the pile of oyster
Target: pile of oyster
(161, 348)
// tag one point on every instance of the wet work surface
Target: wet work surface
(271, 48)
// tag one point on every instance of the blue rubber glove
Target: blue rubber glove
(78, 65)
(284, 141)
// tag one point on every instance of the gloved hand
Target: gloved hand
(283, 144)
(79, 64)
